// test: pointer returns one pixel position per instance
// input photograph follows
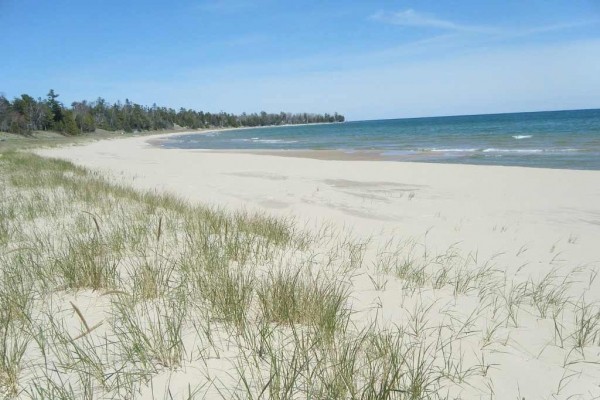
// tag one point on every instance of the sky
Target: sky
(365, 59)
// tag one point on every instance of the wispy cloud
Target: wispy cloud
(558, 27)
(412, 18)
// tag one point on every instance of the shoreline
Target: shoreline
(484, 156)
(225, 174)
(41, 139)
(49, 139)
(366, 155)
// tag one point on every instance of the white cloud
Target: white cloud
(412, 18)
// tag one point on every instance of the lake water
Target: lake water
(555, 139)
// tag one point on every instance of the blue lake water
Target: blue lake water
(554, 139)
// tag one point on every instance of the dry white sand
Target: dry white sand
(486, 208)
(529, 220)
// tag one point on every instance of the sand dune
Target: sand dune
(520, 222)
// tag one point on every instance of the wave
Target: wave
(498, 150)
(493, 150)
(453, 150)
(389, 152)
(274, 141)
(519, 137)
(265, 141)
(530, 151)
(501, 150)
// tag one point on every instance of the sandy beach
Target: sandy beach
(487, 209)
(523, 223)
(326, 200)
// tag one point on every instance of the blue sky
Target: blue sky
(365, 59)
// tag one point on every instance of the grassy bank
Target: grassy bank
(108, 292)
(37, 139)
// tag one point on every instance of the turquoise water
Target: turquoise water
(556, 139)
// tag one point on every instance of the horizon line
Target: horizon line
(476, 115)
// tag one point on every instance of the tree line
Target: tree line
(26, 114)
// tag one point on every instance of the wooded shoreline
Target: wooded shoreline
(25, 114)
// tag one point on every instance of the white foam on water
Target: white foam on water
(273, 141)
(492, 150)
(519, 137)
(454, 150)
(266, 141)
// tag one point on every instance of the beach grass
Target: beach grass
(109, 292)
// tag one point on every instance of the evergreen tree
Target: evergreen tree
(68, 124)
(55, 107)
(4, 114)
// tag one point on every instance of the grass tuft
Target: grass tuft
(291, 297)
